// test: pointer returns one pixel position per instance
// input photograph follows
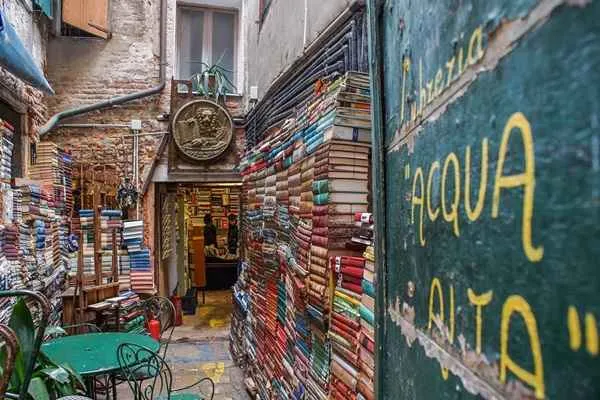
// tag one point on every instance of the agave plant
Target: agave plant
(49, 380)
(213, 81)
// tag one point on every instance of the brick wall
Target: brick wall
(88, 70)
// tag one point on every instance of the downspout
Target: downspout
(56, 118)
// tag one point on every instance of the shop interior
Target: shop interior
(199, 248)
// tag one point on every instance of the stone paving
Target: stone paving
(200, 348)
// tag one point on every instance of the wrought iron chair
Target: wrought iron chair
(11, 346)
(135, 361)
(44, 308)
(163, 310)
(10, 339)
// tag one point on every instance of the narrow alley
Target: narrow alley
(299, 199)
(200, 348)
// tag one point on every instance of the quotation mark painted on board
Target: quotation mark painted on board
(577, 335)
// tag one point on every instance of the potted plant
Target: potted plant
(212, 81)
(49, 380)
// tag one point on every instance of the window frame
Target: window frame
(207, 38)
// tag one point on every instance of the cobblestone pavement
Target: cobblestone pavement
(200, 348)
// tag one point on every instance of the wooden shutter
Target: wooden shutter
(88, 15)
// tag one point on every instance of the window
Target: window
(206, 36)
(85, 18)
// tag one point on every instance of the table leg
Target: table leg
(90, 385)
(118, 317)
(113, 382)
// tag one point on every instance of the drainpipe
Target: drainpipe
(56, 118)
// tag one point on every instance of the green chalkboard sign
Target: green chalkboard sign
(487, 116)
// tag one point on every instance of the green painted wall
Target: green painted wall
(528, 92)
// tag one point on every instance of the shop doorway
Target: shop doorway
(199, 249)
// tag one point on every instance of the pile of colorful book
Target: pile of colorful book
(367, 314)
(345, 326)
(131, 315)
(7, 132)
(302, 187)
(6, 149)
(237, 341)
(34, 222)
(88, 234)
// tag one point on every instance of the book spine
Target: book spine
(321, 199)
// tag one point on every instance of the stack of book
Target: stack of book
(65, 165)
(345, 326)
(124, 270)
(86, 223)
(33, 223)
(6, 150)
(302, 342)
(110, 223)
(45, 166)
(237, 335)
(301, 189)
(131, 315)
(52, 167)
(141, 273)
(367, 315)
(37, 263)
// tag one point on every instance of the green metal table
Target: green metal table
(93, 354)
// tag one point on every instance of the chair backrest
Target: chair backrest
(45, 308)
(146, 373)
(161, 309)
(10, 349)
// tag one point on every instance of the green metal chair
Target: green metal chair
(44, 308)
(163, 310)
(10, 343)
(136, 361)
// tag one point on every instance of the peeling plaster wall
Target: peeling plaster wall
(288, 28)
(32, 29)
(488, 279)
